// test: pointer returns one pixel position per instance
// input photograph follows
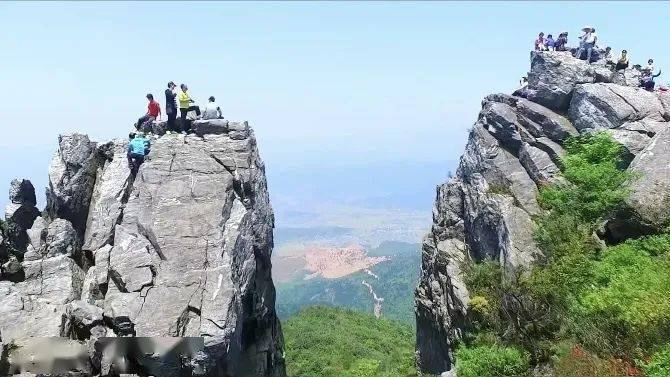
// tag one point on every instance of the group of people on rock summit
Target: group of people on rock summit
(588, 41)
(139, 146)
(182, 101)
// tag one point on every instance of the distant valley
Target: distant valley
(349, 236)
(379, 280)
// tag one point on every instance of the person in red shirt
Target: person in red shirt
(153, 112)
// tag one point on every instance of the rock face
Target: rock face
(181, 249)
(71, 179)
(486, 210)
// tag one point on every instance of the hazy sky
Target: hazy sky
(330, 83)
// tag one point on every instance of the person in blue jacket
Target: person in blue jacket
(138, 148)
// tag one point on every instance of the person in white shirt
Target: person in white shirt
(589, 40)
(649, 69)
(212, 110)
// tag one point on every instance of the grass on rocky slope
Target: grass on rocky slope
(332, 342)
(585, 308)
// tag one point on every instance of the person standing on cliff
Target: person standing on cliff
(185, 106)
(153, 112)
(540, 43)
(171, 107)
(588, 42)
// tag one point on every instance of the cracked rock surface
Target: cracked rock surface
(486, 210)
(181, 249)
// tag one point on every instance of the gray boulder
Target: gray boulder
(61, 239)
(72, 177)
(210, 126)
(21, 191)
(501, 122)
(627, 77)
(20, 213)
(632, 141)
(112, 188)
(79, 319)
(37, 235)
(541, 121)
(156, 128)
(238, 130)
(539, 165)
(11, 267)
(645, 126)
(553, 76)
(34, 306)
(650, 193)
(603, 106)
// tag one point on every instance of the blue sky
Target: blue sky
(323, 83)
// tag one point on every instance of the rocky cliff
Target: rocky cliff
(180, 249)
(487, 209)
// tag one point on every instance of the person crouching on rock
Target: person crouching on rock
(212, 110)
(647, 81)
(185, 106)
(550, 43)
(153, 112)
(138, 148)
(561, 43)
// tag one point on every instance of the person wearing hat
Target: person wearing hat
(171, 107)
(622, 63)
(588, 42)
(138, 148)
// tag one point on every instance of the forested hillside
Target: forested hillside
(333, 342)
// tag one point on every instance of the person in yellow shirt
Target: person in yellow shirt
(185, 106)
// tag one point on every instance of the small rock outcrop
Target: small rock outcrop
(180, 249)
(487, 209)
(20, 214)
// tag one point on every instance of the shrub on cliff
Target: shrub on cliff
(659, 365)
(324, 342)
(625, 311)
(597, 184)
(615, 300)
(492, 361)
